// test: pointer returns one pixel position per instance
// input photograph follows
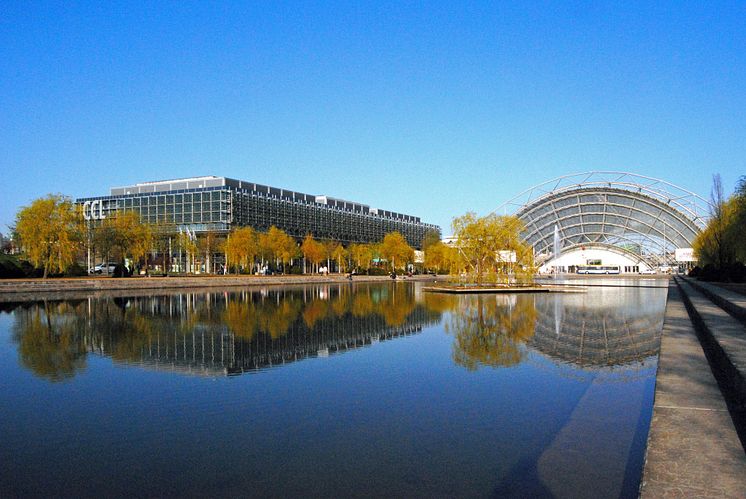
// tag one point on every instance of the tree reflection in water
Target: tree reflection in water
(490, 330)
(49, 343)
(214, 333)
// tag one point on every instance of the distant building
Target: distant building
(219, 204)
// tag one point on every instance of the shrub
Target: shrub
(10, 268)
(709, 273)
(75, 270)
(295, 270)
(735, 272)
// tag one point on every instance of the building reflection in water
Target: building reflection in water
(600, 329)
(215, 333)
(230, 333)
(605, 328)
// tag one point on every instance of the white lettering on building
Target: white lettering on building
(90, 212)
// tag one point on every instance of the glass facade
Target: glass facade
(219, 204)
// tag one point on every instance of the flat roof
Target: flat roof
(208, 181)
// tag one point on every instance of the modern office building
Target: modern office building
(218, 204)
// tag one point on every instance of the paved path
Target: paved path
(693, 449)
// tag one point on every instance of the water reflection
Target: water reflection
(214, 333)
(49, 343)
(491, 330)
(384, 421)
(233, 332)
(605, 327)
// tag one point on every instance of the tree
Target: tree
(242, 247)
(313, 251)
(438, 256)
(264, 247)
(361, 255)
(50, 230)
(133, 238)
(394, 247)
(185, 241)
(492, 245)
(124, 235)
(329, 247)
(208, 245)
(282, 246)
(717, 243)
(737, 227)
(340, 255)
(431, 237)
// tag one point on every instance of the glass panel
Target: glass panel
(592, 198)
(566, 212)
(560, 203)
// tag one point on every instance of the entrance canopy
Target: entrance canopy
(641, 216)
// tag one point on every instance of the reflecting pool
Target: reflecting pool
(329, 390)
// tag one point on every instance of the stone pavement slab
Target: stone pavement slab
(693, 449)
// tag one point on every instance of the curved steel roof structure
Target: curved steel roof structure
(644, 217)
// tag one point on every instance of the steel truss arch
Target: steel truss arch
(610, 209)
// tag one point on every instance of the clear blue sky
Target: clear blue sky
(431, 109)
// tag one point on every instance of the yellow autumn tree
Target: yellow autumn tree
(130, 237)
(395, 248)
(361, 255)
(282, 246)
(241, 248)
(313, 251)
(492, 247)
(51, 230)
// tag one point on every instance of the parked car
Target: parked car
(101, 268)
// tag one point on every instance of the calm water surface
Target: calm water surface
(333, 390)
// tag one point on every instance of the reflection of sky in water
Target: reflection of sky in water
(434, 395)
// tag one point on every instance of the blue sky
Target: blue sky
(431, 109)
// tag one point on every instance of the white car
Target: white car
(647, 271)
(101, 268)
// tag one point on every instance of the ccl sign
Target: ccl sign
(93, 210)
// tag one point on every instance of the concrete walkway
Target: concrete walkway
(693, 449)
